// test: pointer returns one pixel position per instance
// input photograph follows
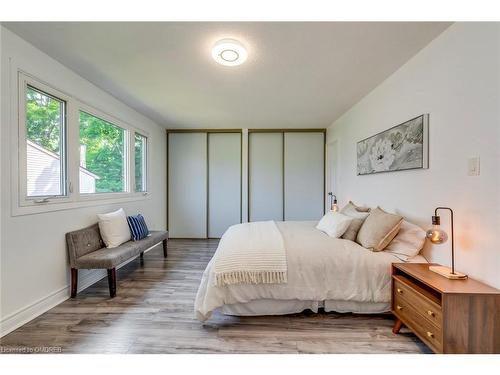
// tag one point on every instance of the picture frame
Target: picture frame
(403, 147)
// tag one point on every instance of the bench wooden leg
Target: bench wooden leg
(112, 282)
(164, 248)
(397, 326)
(74, 282)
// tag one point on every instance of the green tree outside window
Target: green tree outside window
(104, 152)
(43, 119)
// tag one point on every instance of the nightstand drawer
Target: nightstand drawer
(421, 301)
(428, 332)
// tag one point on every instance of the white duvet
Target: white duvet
(320, 268)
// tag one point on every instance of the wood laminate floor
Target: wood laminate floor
(153, 313)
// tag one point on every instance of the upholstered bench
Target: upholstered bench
(86, 250)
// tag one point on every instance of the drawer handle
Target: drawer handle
(430, 334)
(431, 313)
(400, 291)
(399, 307)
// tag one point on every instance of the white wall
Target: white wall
(34, 266)
(456, 79)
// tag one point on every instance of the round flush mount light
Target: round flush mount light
(229, 52)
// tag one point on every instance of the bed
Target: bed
(322, 272)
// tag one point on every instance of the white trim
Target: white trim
(89, 202)
(23, 82)
(331, 177)
(20, 204)
(28, 313)
(145, 164)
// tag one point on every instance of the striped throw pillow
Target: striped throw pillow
(138, 227)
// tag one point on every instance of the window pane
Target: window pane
(140, 143)
(102, 155)
(45, 159)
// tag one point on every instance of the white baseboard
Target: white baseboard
(23, 316)
(30, 312)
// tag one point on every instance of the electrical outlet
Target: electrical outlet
(473, 166)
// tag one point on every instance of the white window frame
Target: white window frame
(25, 200)
(21, 204)
(127, 167)
(145, 155)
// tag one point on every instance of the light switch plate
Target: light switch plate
(473, 166)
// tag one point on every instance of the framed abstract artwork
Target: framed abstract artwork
(402, 147)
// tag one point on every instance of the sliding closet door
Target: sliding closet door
(265, 174)
(304, 176)
(187, 185)
(224, 182)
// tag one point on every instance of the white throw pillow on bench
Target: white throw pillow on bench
(114, 228)
(334, 224)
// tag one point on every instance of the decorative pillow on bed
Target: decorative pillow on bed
(351, 206)
(379, 229)
(334, 224)
(408, 243)
(359, 214)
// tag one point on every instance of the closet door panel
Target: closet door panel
(187, 185)
(265, 173)
(304, 176)
(224, 182)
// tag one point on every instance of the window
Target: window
(140, 160)
(102, 155)
(45, 122)
(63, 143)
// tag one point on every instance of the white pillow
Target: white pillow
(114, 228)
(408, 242)
(334, 224)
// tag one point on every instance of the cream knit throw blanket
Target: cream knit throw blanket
(251, 253)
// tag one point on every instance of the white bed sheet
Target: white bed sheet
(339, 273)
(283, 307)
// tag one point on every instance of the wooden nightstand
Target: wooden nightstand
(450, 316)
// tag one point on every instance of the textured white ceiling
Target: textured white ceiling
(297, 74)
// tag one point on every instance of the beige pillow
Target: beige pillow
(352, 207)
(359, 214)
(408, 243)
(352, 230)
(378, 230)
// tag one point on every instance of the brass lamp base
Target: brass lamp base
(446, 272)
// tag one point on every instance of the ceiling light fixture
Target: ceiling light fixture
(229, 52)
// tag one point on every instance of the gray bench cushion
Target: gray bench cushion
(86, 249)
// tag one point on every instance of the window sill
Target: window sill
(87, 201)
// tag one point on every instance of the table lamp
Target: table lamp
(438, 236)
